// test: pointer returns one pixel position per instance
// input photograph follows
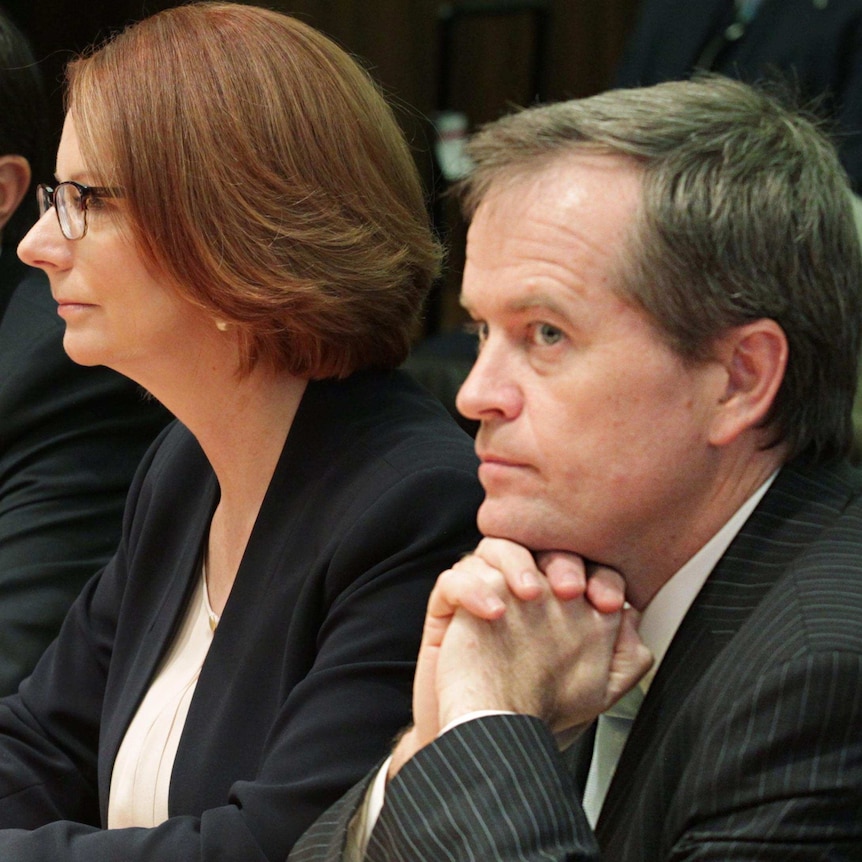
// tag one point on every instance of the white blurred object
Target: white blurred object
(856, 203)
(451, 129)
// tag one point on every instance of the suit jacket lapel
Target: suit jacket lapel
(794, 511)
(159, 636)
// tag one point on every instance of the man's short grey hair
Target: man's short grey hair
(745, 214)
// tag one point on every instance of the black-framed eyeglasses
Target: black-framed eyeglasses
(71, 201)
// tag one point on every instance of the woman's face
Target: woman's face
(119, 311)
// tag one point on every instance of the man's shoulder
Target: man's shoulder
(825, 503)
(790, 584)
(823, 586)
(837, 484)
(818, 595)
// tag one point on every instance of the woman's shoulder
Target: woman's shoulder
(174, 467)
(384, 415)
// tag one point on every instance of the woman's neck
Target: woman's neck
(243, 439)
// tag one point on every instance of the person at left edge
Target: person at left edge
(238, 226)
(70, 437)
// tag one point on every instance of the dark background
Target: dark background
(473, 56)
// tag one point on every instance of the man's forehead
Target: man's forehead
(562, 174)
(570, 220)
(569, 193)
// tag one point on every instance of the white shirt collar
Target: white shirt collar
(664, 614)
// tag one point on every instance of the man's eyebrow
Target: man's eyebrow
(539, 301)
(517, 306)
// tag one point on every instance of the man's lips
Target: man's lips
(499, 459)
(498, 465)
(498, 456)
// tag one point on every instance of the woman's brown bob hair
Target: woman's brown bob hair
(267, 178)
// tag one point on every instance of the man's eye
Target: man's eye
(480, 330)
(546, 335)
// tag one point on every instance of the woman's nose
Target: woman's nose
(44, 245)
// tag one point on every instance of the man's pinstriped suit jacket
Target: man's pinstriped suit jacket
(747, 747)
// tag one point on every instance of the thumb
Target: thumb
(631, 658)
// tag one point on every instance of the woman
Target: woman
(237, 226)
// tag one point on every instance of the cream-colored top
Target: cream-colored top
(141, 779)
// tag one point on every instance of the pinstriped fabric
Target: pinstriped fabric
(471, 796)
(748, 746)
(780, 530)
(744, 750)
(768, 769)
(324, 839)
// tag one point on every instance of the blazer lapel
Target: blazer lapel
(794, 511)
(165, 620)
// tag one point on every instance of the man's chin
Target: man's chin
(509, 520)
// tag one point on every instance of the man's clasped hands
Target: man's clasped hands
(508, 631)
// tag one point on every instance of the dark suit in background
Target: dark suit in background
(70, 440)
(747, 746)
(815, 45)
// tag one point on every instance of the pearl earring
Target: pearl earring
(222, 325)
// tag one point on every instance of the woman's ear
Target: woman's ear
(14, 181)
(754, 356)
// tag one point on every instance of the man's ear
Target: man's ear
(14, 182)
(754, 357)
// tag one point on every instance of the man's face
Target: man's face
(594, 434)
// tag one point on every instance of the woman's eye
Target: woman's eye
(546, 335)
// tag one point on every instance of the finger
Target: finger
(631, 658)
(516, 564)
(469, 587)
(606, 589)
(425, 705)
(566, 574)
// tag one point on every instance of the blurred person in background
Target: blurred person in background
(812, 47)
(70, 437)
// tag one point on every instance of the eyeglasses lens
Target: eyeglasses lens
(43, 198)
(67, 200)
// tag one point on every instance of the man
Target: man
(668, 292)
(70, 437)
